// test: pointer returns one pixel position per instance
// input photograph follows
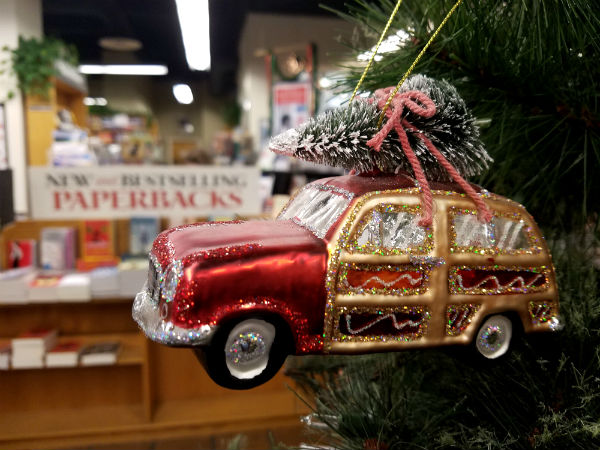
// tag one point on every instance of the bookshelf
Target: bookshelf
(40, 117)
(152, 392)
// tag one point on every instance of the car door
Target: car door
(383, 267)
(498, 267)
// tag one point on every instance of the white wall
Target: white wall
(149, 95)
(17, 17)
(272, 32)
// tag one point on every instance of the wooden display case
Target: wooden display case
(152, 392)
(41, 117)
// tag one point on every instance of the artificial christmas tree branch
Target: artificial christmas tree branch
(531, 69)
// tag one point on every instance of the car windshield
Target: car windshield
(317, 207)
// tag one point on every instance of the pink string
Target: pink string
(424, 108)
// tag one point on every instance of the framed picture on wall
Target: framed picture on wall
(291, 107)
(291, 75)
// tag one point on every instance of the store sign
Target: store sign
(125, 191)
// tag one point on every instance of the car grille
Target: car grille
(153, 285)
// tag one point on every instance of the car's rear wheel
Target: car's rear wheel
(494, 336)
(248, 352)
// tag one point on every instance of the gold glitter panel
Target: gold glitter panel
(508, 256)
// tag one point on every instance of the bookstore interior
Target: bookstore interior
(119, 120)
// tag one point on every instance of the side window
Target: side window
(503, 234)
(511, 234)
(470, 232)
(391, 229)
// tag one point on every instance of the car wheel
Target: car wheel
(494, 336)
(248, 352)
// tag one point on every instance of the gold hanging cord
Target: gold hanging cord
(410, 69)
(385, 30)
(416, 61)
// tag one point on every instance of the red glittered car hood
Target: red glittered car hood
(256, 267)
(217, 238)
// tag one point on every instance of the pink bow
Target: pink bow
(419, 104)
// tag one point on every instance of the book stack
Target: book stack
(97, 245)
(14, 285)
(74, 287)
(44, 287)
(58, 248)
(142, 232)
(132, 276)
(100, 354)
(104, 282)
(5, 356)
(65, 354)
(29, 348)
(21, 253)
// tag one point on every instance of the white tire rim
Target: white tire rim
(493, 338)
(247, 348)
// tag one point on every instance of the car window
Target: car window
(317, 207)
(391, 229)
(501, 234)
(470, 232)
(511, 234)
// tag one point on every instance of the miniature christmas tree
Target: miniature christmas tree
(340, 137)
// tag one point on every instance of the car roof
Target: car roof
(368, 182)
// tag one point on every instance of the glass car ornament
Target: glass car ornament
(405, 254)
(346, 268)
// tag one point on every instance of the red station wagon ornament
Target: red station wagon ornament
(353, 264)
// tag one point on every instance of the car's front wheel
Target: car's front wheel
(248, 352)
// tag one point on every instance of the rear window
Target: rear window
(505, 233)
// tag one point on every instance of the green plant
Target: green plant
(33, 63)
(231, 113)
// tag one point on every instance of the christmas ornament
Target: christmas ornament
(402, 253)
(347, 268)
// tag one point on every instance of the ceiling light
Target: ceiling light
(95, 101)
(194, 24)
(120, 44)
(325, 83)
(390, 44)
(183, 94)
(123, 69)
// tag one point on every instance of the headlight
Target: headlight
(171, 281)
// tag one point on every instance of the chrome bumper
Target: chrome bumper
(145, 312)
